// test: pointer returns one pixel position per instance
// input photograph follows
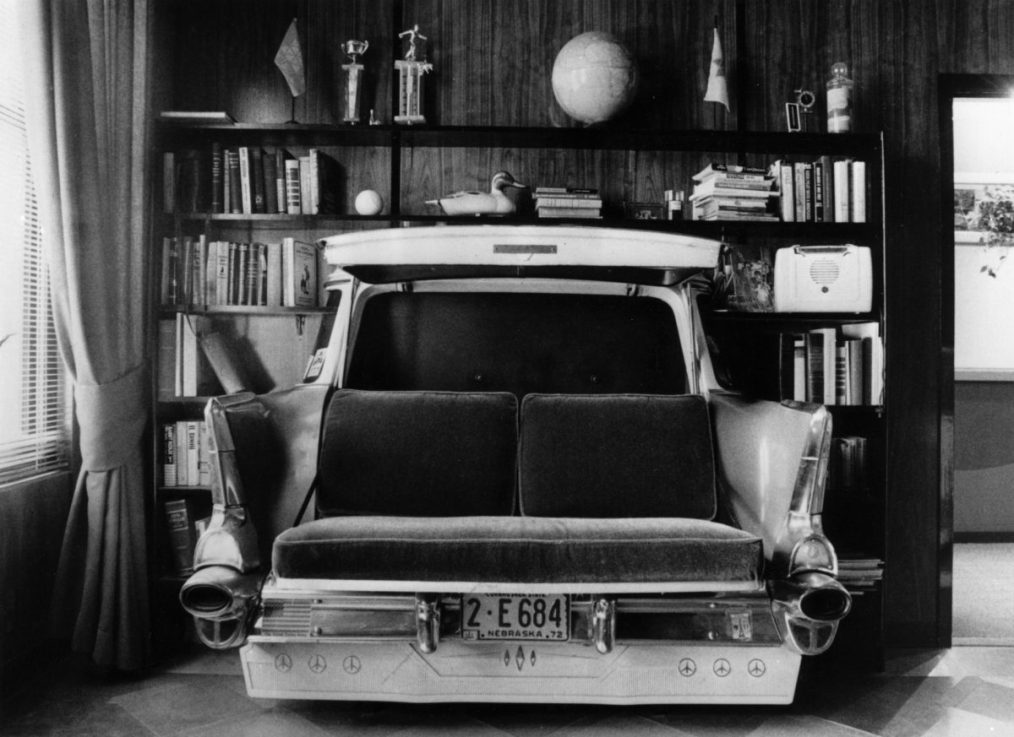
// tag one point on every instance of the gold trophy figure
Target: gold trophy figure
(352, 78)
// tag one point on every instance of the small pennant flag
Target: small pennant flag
(289, 60)
(718, 90)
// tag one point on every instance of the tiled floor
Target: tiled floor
(963, 692)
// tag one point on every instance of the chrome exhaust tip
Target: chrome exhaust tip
(807, 609)
(220, 601)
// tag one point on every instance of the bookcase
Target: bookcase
(406, 164)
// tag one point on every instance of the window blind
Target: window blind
(34, 397)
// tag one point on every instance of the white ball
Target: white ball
(369, 202)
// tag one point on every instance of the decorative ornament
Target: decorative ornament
(594, 78)
(494, 202)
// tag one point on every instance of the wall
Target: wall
(33, 515)
(492, 63)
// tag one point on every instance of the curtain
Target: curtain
(89, 123)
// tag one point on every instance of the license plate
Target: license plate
(515, 617)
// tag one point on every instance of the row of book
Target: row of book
(196, 361)
(199, 272)
(568, 202)
(184, 454)
(860, 574)
(183, 531)
(834, 366)
(250, 180)
(826, 190)
(729, 192)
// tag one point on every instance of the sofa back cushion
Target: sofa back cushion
(616, 456)
(418, 453)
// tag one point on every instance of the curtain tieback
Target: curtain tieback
(112, 417)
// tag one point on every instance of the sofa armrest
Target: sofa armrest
(772, 467)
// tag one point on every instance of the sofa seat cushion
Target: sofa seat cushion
(616, 455)
(519, 550)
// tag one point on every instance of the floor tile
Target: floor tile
(805, 726)
(959, 723)
(194, 701)
(269, 723)
(620, 722)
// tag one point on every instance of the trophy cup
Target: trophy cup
(410, 73)
(352, 79)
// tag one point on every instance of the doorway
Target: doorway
(977, 169)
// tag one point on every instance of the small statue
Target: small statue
(413, 44)
(410, 72)
(494, 202)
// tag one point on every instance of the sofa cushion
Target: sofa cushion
(527, 550)
(418, 453)
(629, 455)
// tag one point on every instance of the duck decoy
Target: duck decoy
(494, 202)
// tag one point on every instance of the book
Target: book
(196, 116)
(872, 359)
(293, 187)
(280, 203)
(258, 198)
(166, 387)
(842, 191)
(182, 535)
(820, 365)
(180, 435)
(273, 292)
(299, 273)
(245, 173)
(566, 201)
(799, 182)
(270, 183)
(715, 169)
(217, 179)
(569, 212)
(190, 188)
(857, 193)
(783, 175)
(169, 182)
(203, 456)
(193, 456)
(235, 183)
(825, 166)
(222, 359)
(169, 454)
(325, 187)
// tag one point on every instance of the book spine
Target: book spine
(235, 183)
(179, 526)
(274, 275)
(193, 454)
(281, 205)
(168, 454)
(799, 186)
(293, 187)
(211, 274)
(257, 194)
(842, 191)
(246, 194)
(203, 456)
(242, 256)
(818, 191)
(217, 179)
(169, 182)
(857, 179)
(270, 184)
(180, 430)
(787, 187)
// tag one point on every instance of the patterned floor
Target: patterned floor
(963, 692)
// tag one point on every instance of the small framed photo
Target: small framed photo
(643, 210)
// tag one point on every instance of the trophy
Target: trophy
(411, 69)
(352, 79)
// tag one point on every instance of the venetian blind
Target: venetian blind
(34, 410)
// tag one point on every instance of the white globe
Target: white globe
(369, 202)
(594, 77)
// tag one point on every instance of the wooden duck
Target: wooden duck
(494, 202)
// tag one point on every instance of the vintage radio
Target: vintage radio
(823, 279)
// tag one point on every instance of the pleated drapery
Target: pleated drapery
(89, 123)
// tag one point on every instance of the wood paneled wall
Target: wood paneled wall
(492, 63)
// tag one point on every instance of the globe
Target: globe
(594, 77)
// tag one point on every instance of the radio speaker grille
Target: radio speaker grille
(824, 271)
